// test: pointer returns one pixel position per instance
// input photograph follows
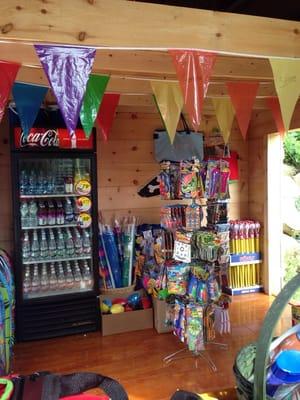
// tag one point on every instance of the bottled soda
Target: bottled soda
(78, 242)
(69, 276)
(51, 213)
(42, 214)
(45, 284)
(32, 182)
(87, 275)
(35, 246)
(36, 282)
(60, 215)
(61, 280)
(40, 181)
(86, 242)
(26, 247)
(27, 282)
(44, 251)
(32, 214)
(69, 212)
(53, 284)
(69, 243)
(52, 244)
(24, 182)
(60, 245)
(78, 281)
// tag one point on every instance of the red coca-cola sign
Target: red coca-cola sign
(52, 138)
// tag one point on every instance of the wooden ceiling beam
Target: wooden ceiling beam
(120, 23)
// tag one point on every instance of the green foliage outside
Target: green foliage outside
(291, 146)
(292, 268)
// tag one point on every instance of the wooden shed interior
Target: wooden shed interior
(132, 39)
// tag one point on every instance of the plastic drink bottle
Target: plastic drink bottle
(51, 213)
(35, 246)
(77, 276)
(24, 211)
(69, 276)
(52, 244)
(86, 242)
(61, 280)
(36, 282)
(87, 275)
(32, 182)
(70, 249)
(69, 213)
(27, 282)
(60, 215)
(26, 247)
(53, 284)
(44, 251)
(32, 214)
(45, 284)
(42, 214)
(60, 245)
(78, 243)
(24, 182)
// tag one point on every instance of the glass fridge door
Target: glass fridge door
(56, 226)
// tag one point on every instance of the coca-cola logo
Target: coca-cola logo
(48, 138)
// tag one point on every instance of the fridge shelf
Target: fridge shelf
(52, 260)
(52, 293)
(45, 196)
(28, 228)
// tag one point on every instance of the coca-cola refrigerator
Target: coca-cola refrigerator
(54, 181)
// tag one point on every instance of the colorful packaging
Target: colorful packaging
(177, 276)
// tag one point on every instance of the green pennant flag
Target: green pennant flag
(92, 99)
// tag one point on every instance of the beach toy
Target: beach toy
(104, 308)
(134, 301)
(117, 309)
(146, 303)
(121, 301)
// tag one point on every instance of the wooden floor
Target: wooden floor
(135, 359)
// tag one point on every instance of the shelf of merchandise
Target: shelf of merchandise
(45, 196)
(243, 290)
(240, 263)
(61, 259)
(52, 293)
(71, 225)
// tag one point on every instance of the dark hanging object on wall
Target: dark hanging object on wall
(151, 188)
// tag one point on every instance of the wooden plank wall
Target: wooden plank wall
(125, 163)
(262, 124)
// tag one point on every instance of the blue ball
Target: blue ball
(134, 301)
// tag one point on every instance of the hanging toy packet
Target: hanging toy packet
(193, 217)
(182, 246)
(177, 279)
(189, 179)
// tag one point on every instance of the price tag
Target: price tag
(182, 252)
(84, 220)
(83, 187)
(83, 204)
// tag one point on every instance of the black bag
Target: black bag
(47, 386)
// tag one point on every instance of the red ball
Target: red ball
(146, 303)
(127, 308)
(119, 301)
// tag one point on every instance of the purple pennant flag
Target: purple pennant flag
(67, 70)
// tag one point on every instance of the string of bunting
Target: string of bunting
(81, 94)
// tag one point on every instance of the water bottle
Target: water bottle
(24, 182)
(42, 214)
(78, 281)
(60, 215)
(45, 284)
(53, 284)
(60, 244)
(86, 242)
(59, 180)
(44, 251)
(36, 282)
(61, 280)
(27, 282)
(69, 244)
(51, 213)
(50, 177)
(52, 244)
(24, 211)
(35, 246)
(32, 182)
(26, 247)
(78, 242)
(32, 214)
(69, 276)
(69, 212)
(40, 181)
(87, 275)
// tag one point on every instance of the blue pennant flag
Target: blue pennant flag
(28, 99)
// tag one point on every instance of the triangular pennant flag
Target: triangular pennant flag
(28, 99)
(274, 106)
(193, 70)
(225, 114)
(243, 95)
(287, 83)
(106, 113)
(68, 70)
(92, 99)
(8, 73)
(169, 101)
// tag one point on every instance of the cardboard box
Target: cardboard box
(127, 321)
(160, 309)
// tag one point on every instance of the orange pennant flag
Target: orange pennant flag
(243, 95)
(193, 70)
(274, 105)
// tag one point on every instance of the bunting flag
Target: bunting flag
(193, 70)
(225, 114)
(28, 99)
(287, 83)
(242, 96)
(8, 73)
(106, 113)
(92, 99)
(169, 102)
(67, 70)
(274, 106)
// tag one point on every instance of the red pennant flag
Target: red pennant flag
(274, 106)
(243, 95)
(106, 113)
(193, 70)
(8, 73)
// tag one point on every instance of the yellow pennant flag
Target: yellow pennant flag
(225, 114)
(169, 101)
(287, 83)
